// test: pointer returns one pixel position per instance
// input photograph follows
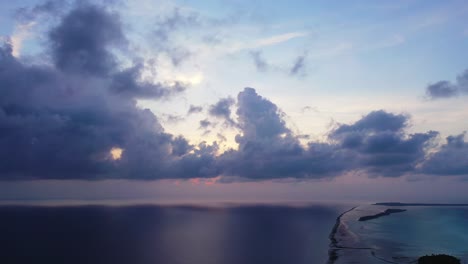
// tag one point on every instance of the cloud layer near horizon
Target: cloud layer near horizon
(61, 121)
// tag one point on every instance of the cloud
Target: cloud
(174, 21)
(462, 81)
(442, 89)
(222, 109)
(81, 42)
(221, 137)
(193, 109)
(447, 89)
(180, 146)
(380, 146)
(278, 39)
(77, 118)
(308, 108)
(62, 121)
(451, 159)
(51, 7)
(268, 149)
(128, 83)
(205, 124)
(262, 65)
(259, 62)
(258, 117)
(170, 118)
(62, 124)
(298, 66)
(166, 27)
(376, 121)
(376, 146)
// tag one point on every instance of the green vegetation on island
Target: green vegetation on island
(438, 259)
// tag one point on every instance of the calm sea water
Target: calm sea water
(227, 234)
(403, 237)
(167, 234)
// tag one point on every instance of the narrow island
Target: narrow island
(384, 213)
(418, 204)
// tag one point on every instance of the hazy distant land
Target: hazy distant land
(418, 204)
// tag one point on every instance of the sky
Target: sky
(176, 101)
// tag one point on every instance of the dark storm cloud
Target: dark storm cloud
(80, 44)
(268, 149)
(376, 121)
(193, 109)
(61, 121)
(375, 145)
(180, 146)
(49, 130)
(447, 89)
(222, 109)
(201, 163)
(127, 83)
(258, 117)
(380, 146)
(392, 155)
(451, 159)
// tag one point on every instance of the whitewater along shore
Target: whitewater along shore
(334, 243)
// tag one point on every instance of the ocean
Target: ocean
(228, 234)
(402, 237)
(190, 234)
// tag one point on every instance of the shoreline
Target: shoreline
(342, 250)
(335, 227)
(333, 246)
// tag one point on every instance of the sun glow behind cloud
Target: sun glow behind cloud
(116, 153)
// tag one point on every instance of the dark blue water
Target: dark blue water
(166, 234)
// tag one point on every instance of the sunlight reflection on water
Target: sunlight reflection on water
(167, 234)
